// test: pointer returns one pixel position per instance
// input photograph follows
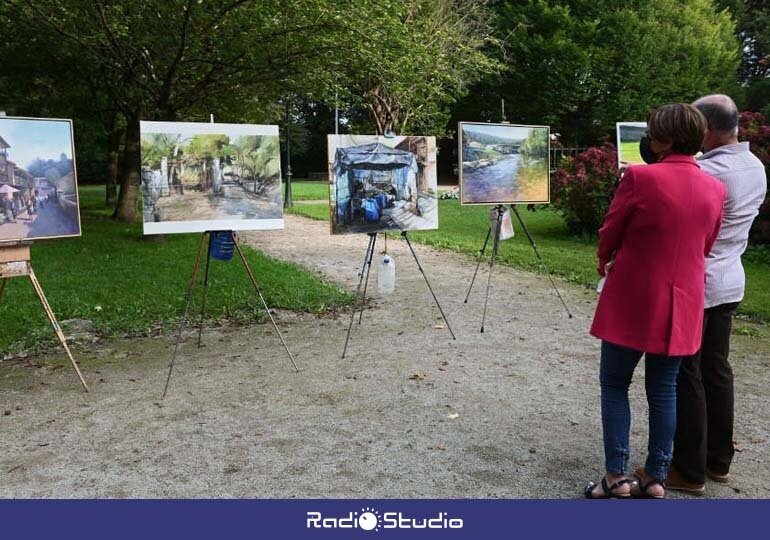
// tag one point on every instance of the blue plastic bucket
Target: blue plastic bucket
(222, 245)
(382, 200)
(371, 210)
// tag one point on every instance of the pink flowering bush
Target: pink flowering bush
(583, 186)
(754, 129)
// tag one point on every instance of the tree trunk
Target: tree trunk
(128, 199)
(113, 160)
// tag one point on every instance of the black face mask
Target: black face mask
(646, 151)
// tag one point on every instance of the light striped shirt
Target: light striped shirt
(743, 174)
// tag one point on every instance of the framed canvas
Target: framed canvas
(38, 179)
(503, 163)
(199, 177)
(628, 135)
(380, 184)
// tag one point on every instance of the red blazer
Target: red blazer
(660, 227)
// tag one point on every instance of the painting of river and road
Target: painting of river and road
(199, 177)
(504, 163)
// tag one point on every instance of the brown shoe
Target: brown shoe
(721, 478)
(677, 482)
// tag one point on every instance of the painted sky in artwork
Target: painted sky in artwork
(33, 139)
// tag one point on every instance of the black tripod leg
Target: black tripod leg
(190, 290)
(419, 266)
(366, 281)
(478, 264)
(205, 292)
(369, 248)
(262, 299)
(495, 247)
(539, 258)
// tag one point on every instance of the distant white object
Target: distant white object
(600, 286)
(386, 275)
(506, 225)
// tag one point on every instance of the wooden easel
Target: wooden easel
(15, 262)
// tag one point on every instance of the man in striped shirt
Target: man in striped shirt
(703, 445)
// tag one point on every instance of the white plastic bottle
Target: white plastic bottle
(386, 275)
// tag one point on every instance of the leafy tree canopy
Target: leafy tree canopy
(582, 65)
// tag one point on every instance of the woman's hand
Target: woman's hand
(605, 267)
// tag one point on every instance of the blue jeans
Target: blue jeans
(617, 368)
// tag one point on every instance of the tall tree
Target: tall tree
(162, 59)
(409, 61)
(582, 65)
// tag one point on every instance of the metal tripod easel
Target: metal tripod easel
(191, 291)
(364, 280)
(495, 247)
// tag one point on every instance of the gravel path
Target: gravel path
(513, 412)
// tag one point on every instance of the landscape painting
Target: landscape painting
(380, 184)
(504, 163)
(38, 184)
(199, 177)
(628, 136)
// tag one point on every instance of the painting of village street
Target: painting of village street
(629, 134)
(38, 188)
(200, 177)
(504, 163)
(381, 184)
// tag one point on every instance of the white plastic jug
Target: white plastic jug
(386, 275)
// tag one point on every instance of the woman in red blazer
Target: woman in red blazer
(661, 224)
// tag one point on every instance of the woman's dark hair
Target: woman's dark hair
(680, 124)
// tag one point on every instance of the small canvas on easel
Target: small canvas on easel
(628, 136)
(381, 184)
(199, 177)
(38, 182)
(504, 163)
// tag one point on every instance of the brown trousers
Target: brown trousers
(705, 401)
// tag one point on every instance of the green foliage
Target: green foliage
(130, 285)
(535, 146)
(581, 66)
(406, 62)
(207, 146)
(582, 189)
(753, 30)
(156, 146)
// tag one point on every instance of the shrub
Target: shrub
(756, 131)
(583, 186)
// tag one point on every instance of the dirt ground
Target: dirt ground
(512, 412)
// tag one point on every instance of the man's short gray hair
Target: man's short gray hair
(720, 111)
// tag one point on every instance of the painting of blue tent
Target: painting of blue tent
(380, 184)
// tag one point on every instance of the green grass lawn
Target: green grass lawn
(629, 152)
(574, 259)
(128, 284)
(304, 190)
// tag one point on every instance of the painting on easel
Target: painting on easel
(380, 184)
(38, 180)
(199, 177)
